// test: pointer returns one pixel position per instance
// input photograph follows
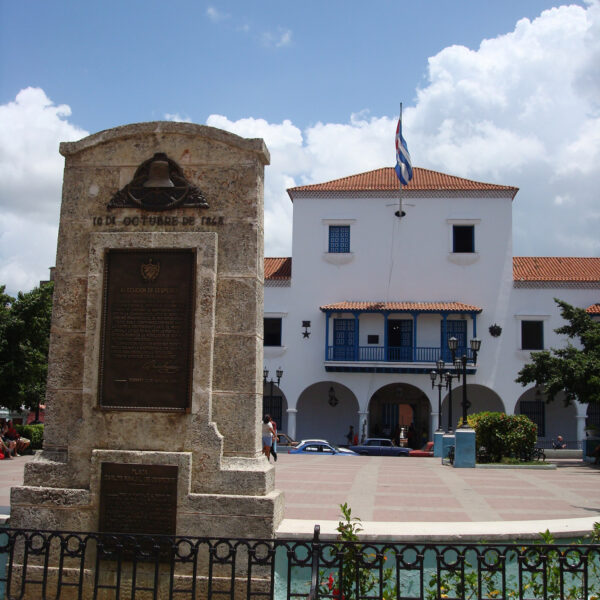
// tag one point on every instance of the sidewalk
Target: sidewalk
(11, 473)
(420, 499)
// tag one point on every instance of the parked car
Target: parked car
(426, 450)
(379, 447)
(283, 439)
(320, 448)
(313, 441)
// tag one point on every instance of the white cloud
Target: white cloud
(279, 39)
(523, 109)
(215, 15)
(31, 128)
(177, 118)
(520, 110)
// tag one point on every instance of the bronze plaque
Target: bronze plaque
(147, 331)
(137, 498)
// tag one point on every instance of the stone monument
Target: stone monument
(154, 394)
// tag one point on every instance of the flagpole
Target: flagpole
(400, 213)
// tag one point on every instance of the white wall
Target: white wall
(407, 259)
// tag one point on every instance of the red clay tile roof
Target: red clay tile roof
(386, 180)
(278, 268)
(401, 306)
(555, 268)
(594, 309)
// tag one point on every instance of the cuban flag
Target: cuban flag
(403, 164)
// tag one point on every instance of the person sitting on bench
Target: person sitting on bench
(559, 443)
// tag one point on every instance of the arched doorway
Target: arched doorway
(552, 418)
(275, 404)
(592, 420)
(481, 398)
(400, 405)
(325, 411)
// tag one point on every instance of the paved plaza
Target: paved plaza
(419, 498)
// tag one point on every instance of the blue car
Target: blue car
(379, 447)
(320, 448)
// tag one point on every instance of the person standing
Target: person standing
(267, 436)
(274, 446)
(350, 435)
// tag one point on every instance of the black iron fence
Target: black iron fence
(65, 565)
(553, 444)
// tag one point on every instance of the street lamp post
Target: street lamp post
(441, 441)
(464, 438)
(461, 371)
(438, 373)
(449, 377)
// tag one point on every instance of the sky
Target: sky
(504, 92)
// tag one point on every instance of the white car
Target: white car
(320, 448)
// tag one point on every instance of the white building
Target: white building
(383, 294)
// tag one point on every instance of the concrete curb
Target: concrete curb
(543, 466)
(448, 532)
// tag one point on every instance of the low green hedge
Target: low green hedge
(34, 433)
(503, 435)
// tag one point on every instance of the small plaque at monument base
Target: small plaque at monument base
(138, 498)
(147, 330)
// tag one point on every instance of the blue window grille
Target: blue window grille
(455, 328)
(343, 339)
(339, 238)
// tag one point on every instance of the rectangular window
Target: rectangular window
(339, 238)
(272, 332)
(532, 335)
(372, 339)
(536, 411)
(463, 238)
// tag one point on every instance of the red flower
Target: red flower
(330, 581)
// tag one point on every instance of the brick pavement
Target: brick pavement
(383, 490)
(399, 490)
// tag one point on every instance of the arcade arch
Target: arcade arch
(324, 414)
(399, 404)
(552, 418)
(481, 398)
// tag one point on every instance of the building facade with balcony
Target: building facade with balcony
(361, 312)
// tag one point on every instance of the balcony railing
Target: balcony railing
(392, 354)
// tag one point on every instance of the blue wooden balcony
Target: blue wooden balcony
(393, 354)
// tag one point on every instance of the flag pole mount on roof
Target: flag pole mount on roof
(403, 164)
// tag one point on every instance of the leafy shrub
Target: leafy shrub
(34, 433)
(504, 435)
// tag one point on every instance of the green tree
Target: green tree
(24, 340)
(574, 370)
